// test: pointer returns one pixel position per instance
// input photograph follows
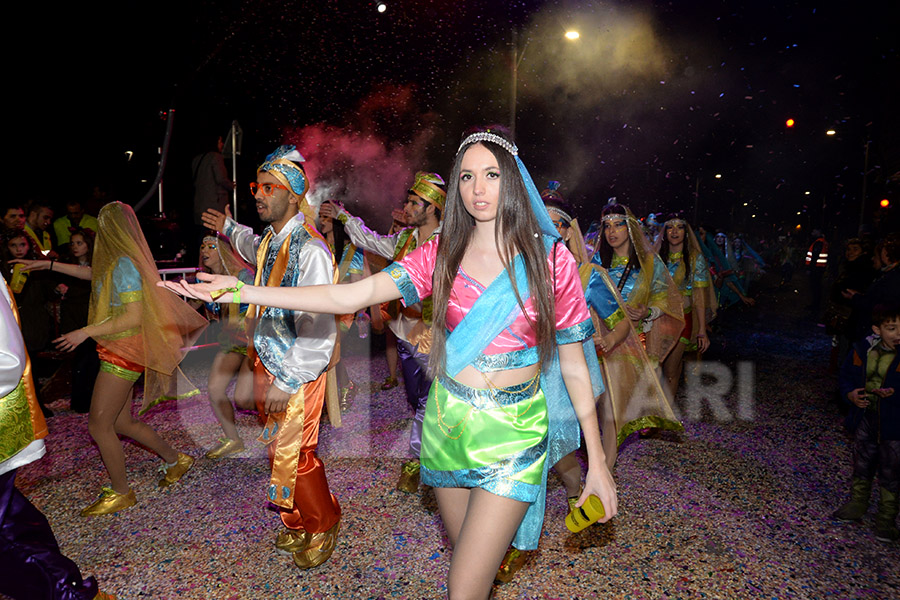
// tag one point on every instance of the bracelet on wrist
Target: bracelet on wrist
(234, 291)
(51, 263)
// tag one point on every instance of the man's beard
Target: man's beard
(418, 220)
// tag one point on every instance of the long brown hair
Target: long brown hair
(516, 232)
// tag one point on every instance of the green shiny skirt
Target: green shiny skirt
(495, 439)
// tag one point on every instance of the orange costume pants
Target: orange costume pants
(300, 492)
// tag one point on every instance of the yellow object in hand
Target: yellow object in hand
(587, 514)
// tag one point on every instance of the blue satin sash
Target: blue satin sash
(475, 332)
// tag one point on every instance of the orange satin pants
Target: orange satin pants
(314, 508)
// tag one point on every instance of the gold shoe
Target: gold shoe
(321, 547)
(390, 383)
(176, 471)
(226, 447)
(291, 541)
(514, 560)
(347, 394)
(110, 501)
(409, 477)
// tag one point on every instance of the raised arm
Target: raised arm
(360, 235)
(330, 299)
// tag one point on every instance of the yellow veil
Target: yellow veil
(634, 398)
(234, 265)
(703, 294)
(168, 325)
(654, 288)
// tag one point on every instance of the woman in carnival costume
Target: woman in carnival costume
(218, 257)
(138, 330)
(678, 247)
(509, 392)
(651, 303)
(751, 264)
(568, 468)
(728, 288)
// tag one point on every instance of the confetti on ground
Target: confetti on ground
(733, 509)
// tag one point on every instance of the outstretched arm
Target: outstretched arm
(77, 271)
(330, 299)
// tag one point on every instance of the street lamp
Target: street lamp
(516, 61)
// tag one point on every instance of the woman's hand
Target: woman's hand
(329, 209)
(69, 341)
(32, 265)
(637, 312)
(600, 483)
(702, 342)
(204, 290)
(605, 343)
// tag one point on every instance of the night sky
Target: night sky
(651, 102)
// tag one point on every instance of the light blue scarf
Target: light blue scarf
(481, 325)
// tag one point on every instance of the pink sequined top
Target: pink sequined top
(573, 321)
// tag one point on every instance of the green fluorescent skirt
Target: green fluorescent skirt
(495, 439)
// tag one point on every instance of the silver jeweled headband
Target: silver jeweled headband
(560, 213)
(487, 136)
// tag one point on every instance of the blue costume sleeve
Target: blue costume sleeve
(356, 263)
(700, 277)
(126, 283)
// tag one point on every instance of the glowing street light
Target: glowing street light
(718, 176)
(830, 132)
(516, 61)
(381, 7)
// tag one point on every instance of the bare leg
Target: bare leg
(608, 430)
(143, 434)
(110, 415)
(224, 367)
(488, 526)
(672, 368)
(243, 388)
(569, 470)
(452, 503)
(390, 352)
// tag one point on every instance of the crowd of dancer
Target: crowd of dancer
(519, 338)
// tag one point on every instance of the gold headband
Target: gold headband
(426, 187)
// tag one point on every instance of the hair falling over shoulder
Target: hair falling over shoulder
(517, 232)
